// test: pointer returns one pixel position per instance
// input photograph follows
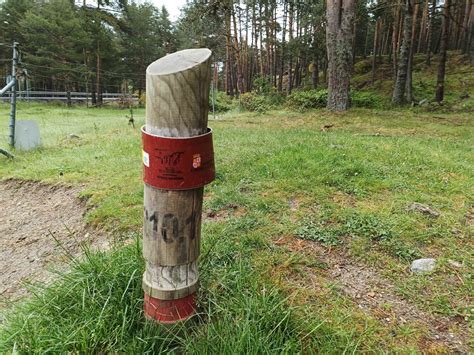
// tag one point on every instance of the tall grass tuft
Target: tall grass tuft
(97, 307)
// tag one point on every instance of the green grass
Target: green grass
(352, 185)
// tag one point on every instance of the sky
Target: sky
(171, 5)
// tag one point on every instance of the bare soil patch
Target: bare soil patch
(39, 225)
(371, 292)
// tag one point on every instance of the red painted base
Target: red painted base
(169, 311)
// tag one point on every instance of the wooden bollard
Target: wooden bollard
(176, 167)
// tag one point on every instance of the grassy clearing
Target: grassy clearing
(280, 175)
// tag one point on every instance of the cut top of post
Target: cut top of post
(178, 61)
(177, 93)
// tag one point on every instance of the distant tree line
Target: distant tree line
(284, 44)
(80, 47)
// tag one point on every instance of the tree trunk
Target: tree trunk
(380, 44)
(410, 56)
(429, 44)
(398, 96)
(424, 20)
(240, 77)
(255, 29)
(261, 43)
(325, 70)
(470, 36)
(458, 28)
(228, 63)
(274, 47)
(443, 53)
(339, 17)
(315, 74)
(97, 76)
(384, 44)
(466, 26)
(354, 40)
(282, 59)
(267, 42)
(290, 58)
(366, 43)
(396, 29)
(375, 50)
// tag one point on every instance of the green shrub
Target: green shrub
(367, 99)
(250, 101)
(262, 86)
(304, 100)
(262, 98)
(298, 100)
(222, 102)
(275, 98)
(362, 66)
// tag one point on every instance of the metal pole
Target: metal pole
(213, 100)
(13, 96)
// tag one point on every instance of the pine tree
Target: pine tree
(398, 96)
(339, 15)
(54, 39)
(443, 52)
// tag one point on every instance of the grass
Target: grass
(279, 175)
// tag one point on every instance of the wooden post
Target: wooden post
(177, 98)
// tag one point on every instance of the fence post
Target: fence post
(11, 124)
(175, 171)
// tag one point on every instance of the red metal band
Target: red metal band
(169, 311)
(175, 163)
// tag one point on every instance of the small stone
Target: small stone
(415, 206)
(455, 264)
(293, 204)
(423, 265)
(371, 294)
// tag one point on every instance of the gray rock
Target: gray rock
(423, 265)
(415, 206)
(27, 135)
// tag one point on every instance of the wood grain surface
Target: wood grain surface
(176, 106)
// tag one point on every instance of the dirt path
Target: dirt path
(32, 216)
(372, 293)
